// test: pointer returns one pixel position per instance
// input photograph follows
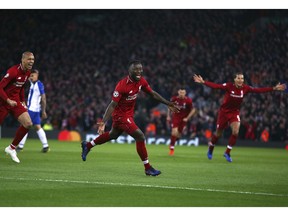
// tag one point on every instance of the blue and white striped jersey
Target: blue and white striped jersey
(34, 97)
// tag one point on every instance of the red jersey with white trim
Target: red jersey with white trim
(125, 94)
(12, 84)
(234, 96)
(185, 105)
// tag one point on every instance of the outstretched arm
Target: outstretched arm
(107, 115)
(172, 106)
(279, 87)
(199, 79)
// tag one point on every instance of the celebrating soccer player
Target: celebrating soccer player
(230, 109)
(122, 110)
(179, 119)
(12, 99)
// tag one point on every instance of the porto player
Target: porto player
(36, 104)
(230, 108)
(12, 99)
(121, 108)
(179, 120)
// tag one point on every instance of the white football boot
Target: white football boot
(12, 153)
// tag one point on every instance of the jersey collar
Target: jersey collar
(129, 79)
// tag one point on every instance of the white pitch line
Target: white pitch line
(144, 185)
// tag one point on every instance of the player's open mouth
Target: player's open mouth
(138, 76)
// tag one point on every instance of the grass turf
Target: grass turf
(113, 176)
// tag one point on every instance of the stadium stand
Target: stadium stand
(81, 54)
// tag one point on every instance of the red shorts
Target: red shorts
(226, 118)
(178, 123)
(15, 111)
(125, 124)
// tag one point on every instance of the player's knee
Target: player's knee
(28, 124)
(175, 133)
(113, 136)
(140, 137)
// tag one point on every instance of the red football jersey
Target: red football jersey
(234, 96)
(185, 105)
(125, 94)
(12, 84)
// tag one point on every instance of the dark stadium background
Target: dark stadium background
(81, 54)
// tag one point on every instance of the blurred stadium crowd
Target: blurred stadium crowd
(81, 54)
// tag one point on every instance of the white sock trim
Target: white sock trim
(93, 143)
(146, 162)
(229, 147)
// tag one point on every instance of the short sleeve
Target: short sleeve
(117, 93)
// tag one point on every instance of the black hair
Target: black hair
(35, 71)
(237, 73)
(134, 61)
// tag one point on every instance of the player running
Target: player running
(179, 120)
(122, 110)
(37, 110)
(12, 99)
(229, 111)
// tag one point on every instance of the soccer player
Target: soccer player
(121, 108)
(229, 111)
(180, 119)
(12, 99)
(36, 105)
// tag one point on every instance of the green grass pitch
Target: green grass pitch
(113, 176)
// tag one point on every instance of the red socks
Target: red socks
(105, 137)
(231, 142)
(173, 141)
(20, 133)
(142, 152)
(214, 139)
(140, 147)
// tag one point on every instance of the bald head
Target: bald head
(27, 53)
(27, 60)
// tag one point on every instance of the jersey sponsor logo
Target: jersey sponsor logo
(7, 75)
(181, 107)
(132, 97)
(115, 94)
(19, 84)
(237, 96)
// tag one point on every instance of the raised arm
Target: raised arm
(278, 87)
(199, 79)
